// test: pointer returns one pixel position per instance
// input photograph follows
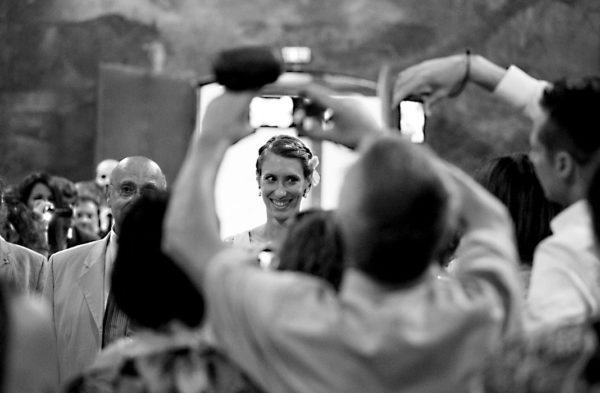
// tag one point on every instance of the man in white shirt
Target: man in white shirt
(77, 286)
(394, 324)
(565, 280)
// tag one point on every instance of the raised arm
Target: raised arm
(191, 229)
(443, 77)
(446, 76)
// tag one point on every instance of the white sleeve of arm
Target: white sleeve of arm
(522, 91)
(486, 264)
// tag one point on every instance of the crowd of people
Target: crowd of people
(423, 279)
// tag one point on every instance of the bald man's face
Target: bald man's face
(129, 180)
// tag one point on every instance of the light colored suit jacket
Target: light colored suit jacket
(75, 289)
(22, 266)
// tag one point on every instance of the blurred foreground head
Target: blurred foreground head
(313, 245)
(393, 211)
(148, 286)
(27, 348)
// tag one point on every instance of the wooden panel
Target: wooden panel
(143, 113)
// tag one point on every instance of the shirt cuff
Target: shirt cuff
(522, 91)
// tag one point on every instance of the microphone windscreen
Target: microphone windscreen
(247, 68)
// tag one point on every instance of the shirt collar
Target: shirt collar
(360, 286)
(575, 215)
(113, 237)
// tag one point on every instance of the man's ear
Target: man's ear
(564, 165)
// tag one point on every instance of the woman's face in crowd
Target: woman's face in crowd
(282, 185)
(86, 216)
(39, 193)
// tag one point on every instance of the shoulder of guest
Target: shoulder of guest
(79, 251)
(21, 252)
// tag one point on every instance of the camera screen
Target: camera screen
(277, 111)
(412, 120)
(272, 111)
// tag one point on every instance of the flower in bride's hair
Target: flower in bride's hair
(315, 178)
(313, 163)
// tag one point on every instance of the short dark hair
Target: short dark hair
(147, 285)
(289, 147)
(402, 214)
(572, 109)
(513, 181)
(313, 245)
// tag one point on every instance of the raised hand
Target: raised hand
(226, 117)
(432, 79)
(350, 122)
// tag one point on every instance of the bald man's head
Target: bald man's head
(132, 177)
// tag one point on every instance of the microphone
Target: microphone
(247, 68)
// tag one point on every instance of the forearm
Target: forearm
(484, 73)
(191, 230)
(486, 264)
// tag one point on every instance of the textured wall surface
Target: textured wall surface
(52, 48)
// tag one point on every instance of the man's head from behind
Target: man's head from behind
(147, 284)
(394, 211)
(132, 177)
(564, 140)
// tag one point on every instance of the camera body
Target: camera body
(280, 104)
(285, 111)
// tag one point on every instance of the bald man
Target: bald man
(84, 317)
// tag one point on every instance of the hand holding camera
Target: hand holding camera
(340, 121)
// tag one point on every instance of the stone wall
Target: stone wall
(52, 48)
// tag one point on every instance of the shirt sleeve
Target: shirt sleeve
(521, 91)
(486, 266)
(241, 308)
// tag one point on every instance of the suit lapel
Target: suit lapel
(9, 263)
(91, 280)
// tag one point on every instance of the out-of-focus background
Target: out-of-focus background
(50, 53)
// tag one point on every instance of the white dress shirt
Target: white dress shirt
(565, 279)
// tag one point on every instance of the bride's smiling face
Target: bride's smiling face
(282, 185)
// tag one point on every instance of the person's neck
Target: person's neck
(273, 231)
(576, 193)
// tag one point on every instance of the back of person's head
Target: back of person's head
(572, 110)
(313, 245)
(147, 285)
(394, 210)
(512, 179)
(27, 347)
